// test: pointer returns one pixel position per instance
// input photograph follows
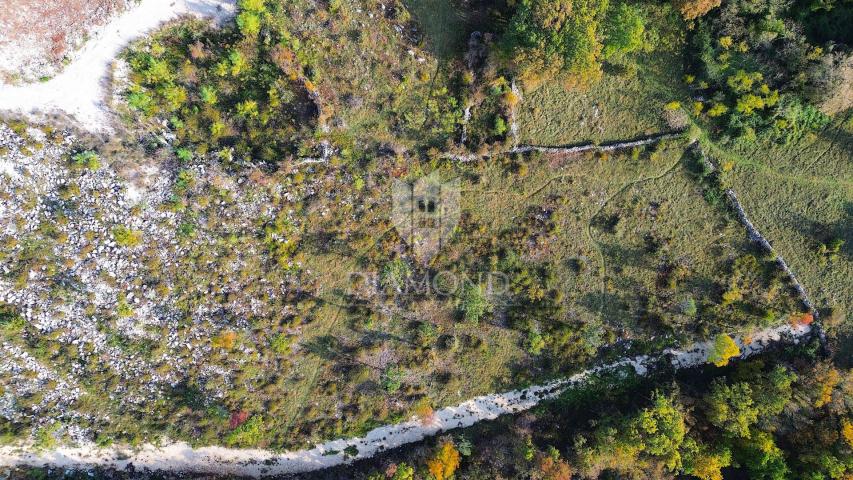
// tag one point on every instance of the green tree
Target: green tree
(624, 30)
(660, 430)
(774, 390)
(473, 303)
(404, 471)
(731, 408)
(704, 462)
(763, 459)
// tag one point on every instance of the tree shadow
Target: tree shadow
(444, 26)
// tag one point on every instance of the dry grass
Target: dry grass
(799, 196)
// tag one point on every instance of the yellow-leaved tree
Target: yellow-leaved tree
(445, 462)
(692, 9)
(723, 349)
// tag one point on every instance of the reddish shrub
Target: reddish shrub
(238, 418)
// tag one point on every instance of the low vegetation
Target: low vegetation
(231, 272)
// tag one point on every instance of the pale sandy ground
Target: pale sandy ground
(80, 90)
(258, 463)
(38, 36)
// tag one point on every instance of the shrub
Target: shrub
(426, 335)
(500, 126)
(423, 410)
(404, 471)
(534, 343)
(208, 94)
(391, 379)
(256, 6)
(249, 24)
(281, 343)
(184, 180)
(87, 159)
(141, 101)
(717, 109)
(224, 340)
(45, 437)
(248, 434)
(394, 274)
(123, 309)
(184, 154)
(688, 307)
(11, 322)
(473, 303)
(126, 237)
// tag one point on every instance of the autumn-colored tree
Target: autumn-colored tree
(424, 411)
(550, 36)
(722, 350)
(551, 468)
(704, 462)
(238, 418)
(692, 9)
(847, 432)
(824, 380)
(445, 462)
(798, 320)
(224, 340)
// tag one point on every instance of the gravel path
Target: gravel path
(79, 90)
(258, 463)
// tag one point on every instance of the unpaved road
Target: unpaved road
(177, 457)
(80, 90)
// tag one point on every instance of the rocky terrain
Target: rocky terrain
(37, 38)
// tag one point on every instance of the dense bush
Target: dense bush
(547, 37)
(229, 90)
(757, 72)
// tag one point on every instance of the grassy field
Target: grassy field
(617, 243)
(800, 196)
(627, 102)
(288, 300)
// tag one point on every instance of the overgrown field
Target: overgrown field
(233, 272)
(273, 317)
(627, 102)
(800, 196)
